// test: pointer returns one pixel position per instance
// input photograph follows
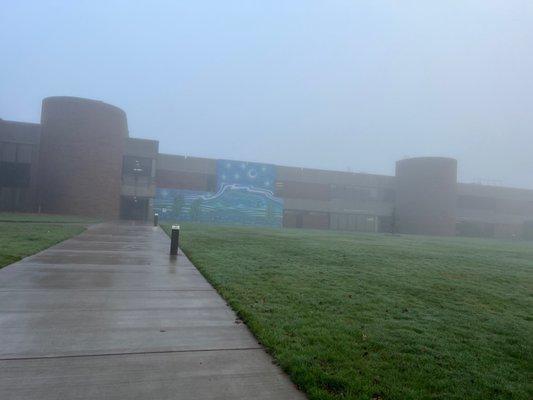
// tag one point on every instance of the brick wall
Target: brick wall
(81, 152)
(185, 180)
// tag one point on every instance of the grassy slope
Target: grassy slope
(44, 218)
(355, 316)
(29, 233)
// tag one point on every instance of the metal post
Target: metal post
(156, 219)
(174, 240)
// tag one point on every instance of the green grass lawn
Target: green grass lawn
(24, 234)
(359, 316)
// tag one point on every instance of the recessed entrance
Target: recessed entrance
(134, 208)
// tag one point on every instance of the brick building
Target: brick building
(81, 160)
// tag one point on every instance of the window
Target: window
(14, 174)
(354, 222)
(139, 166)
(9, 152)
(24, 153)
(388, 195)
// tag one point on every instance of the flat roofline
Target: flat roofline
(277, 165)
(141, 139)
(344, 172)
(282, 165)
(188, 156)
(494, 186)
(7, 121)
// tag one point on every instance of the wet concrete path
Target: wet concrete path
(109, 315)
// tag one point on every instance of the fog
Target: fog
(340, 85)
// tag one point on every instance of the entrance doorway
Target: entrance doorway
(134, 208)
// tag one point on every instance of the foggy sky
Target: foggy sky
(346, 85)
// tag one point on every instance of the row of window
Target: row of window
(336, 221)
(354, 222)
(492, 204)
(15, 152)
(326, 192)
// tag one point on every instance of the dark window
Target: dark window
(388, 195)
(475, 229)
(140, 166)
(14, 174)
(24, 153)
(8, 152)
(354, 222)
(134, 208)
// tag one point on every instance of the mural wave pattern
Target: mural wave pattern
(244, 197)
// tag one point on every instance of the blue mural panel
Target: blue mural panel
(256, 175)
(244, 197)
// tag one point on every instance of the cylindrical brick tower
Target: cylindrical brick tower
(426, 196)
(81, 155)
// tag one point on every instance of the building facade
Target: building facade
(81, 160)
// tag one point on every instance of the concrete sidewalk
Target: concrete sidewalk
(109, 315)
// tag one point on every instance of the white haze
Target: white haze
(347, 85)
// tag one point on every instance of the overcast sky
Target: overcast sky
(347, 85)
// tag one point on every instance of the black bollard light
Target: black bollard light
(174, 240)
(156, 219)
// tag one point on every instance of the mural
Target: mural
(244, 197)
(258, 176)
